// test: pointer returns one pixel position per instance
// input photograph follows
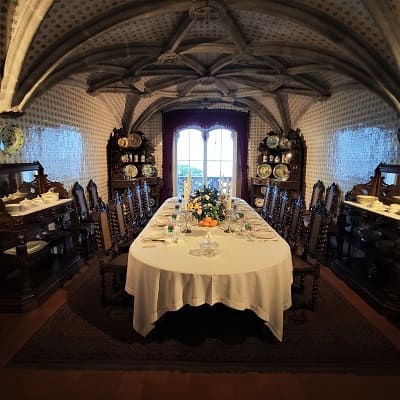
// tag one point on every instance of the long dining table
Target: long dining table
(248, 271)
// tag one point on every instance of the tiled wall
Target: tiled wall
(347, 137)
(67, 131)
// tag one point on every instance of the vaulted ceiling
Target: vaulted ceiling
(274, 58)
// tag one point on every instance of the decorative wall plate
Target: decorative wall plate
(130, 171)
(148, 170)
(264, 170)
(258, 202)
(134, 140)
(12, 139)
(123, 142)
(281, 172)
(272, 141)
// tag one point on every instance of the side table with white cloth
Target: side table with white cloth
(248, 272)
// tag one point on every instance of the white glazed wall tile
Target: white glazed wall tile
(347, 137)
(67, 131)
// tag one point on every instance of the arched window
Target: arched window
(208, 155)
(205, 121)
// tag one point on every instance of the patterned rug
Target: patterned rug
(84, 334)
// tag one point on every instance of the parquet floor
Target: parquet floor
(16, 384)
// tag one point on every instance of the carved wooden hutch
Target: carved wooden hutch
(282, 161)
(130, 162)
(37, 245)
(368, 241)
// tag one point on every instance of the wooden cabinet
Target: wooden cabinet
(282, 161)
(37, 246)
(130, 162)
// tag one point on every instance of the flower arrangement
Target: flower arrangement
(206, 204)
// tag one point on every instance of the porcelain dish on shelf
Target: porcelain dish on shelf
(258, 202)
(148, 170)
(272, 141)
(264, 170)
(281, 172)
(130, 171)
(123, 142)
(134, 140)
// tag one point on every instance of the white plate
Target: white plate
(154, 235)
(255, 221)
(264, 234)
(32, 247)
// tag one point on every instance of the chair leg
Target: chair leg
(314, 292)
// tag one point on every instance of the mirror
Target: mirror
(388, 182)
(15, 178)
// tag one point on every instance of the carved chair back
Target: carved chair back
(80, 202)
(147, 200)
(314, 251)
(317, 193)
(296, 222)
(273, 206)
(331, 198)
(267, 200)
(92, 194)
(142, 219)
(283, 214)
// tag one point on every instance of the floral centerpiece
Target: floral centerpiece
(206, 206)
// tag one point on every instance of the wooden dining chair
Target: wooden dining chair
(93, 194)
(123, 236)
(140, 206)
(147, 200)
(84, 224)
(272, 212)
(132, 215)
(308, 263)
(111, 260)
(295, 230)
(267, 201)
(281, 222)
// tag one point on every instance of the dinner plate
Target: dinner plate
(264, 170)
(281, 172)
(154, 235)
(264, 234)
(130, 171)
(255, 221)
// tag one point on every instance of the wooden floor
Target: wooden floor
(15, 384)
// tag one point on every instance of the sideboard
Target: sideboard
(38, 246)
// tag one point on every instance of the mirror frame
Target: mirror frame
(384, 191)
(13, 169)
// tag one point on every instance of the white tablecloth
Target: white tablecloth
(255, 275)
